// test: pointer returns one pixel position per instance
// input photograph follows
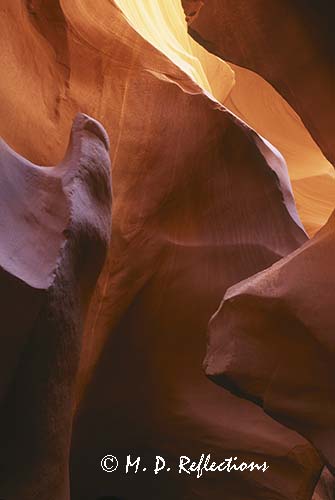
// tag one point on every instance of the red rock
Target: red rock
(272, 341)
(291, 45)
(325, 489)
(187, 199)
(200, 201)
(55, 226)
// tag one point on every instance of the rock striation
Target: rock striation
(200, 202)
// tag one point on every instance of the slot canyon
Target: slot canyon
(166, 255)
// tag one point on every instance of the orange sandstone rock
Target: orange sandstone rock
(290, 45)
(272, 341)
(200, 201)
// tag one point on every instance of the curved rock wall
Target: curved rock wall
(201, 201)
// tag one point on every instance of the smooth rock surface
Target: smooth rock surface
(271, 341)
(55, 230)
(200, 201)
(290, 44)
(247, 95)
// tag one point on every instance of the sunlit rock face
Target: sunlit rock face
(292, 47)
(250, 97)
(55, 231)
(46, 92)
(312, 176)
(200, 202)
(272, 341)
(163, 25)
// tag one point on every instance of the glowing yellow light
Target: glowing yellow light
(162, 23)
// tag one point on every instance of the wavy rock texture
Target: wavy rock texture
(55, 227)
(163, 25)
(312, 176)
(200, 201)
(250, 97)
(159, 342)
(250, 34)
(272, 339)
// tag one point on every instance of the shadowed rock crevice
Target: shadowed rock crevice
(49, 20)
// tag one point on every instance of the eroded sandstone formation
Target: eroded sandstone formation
(227, 213)
(200, 202)
(290, 44)
(250, 97)
(272, 341)
(214, 197)
(313, 178)
(55, 231)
